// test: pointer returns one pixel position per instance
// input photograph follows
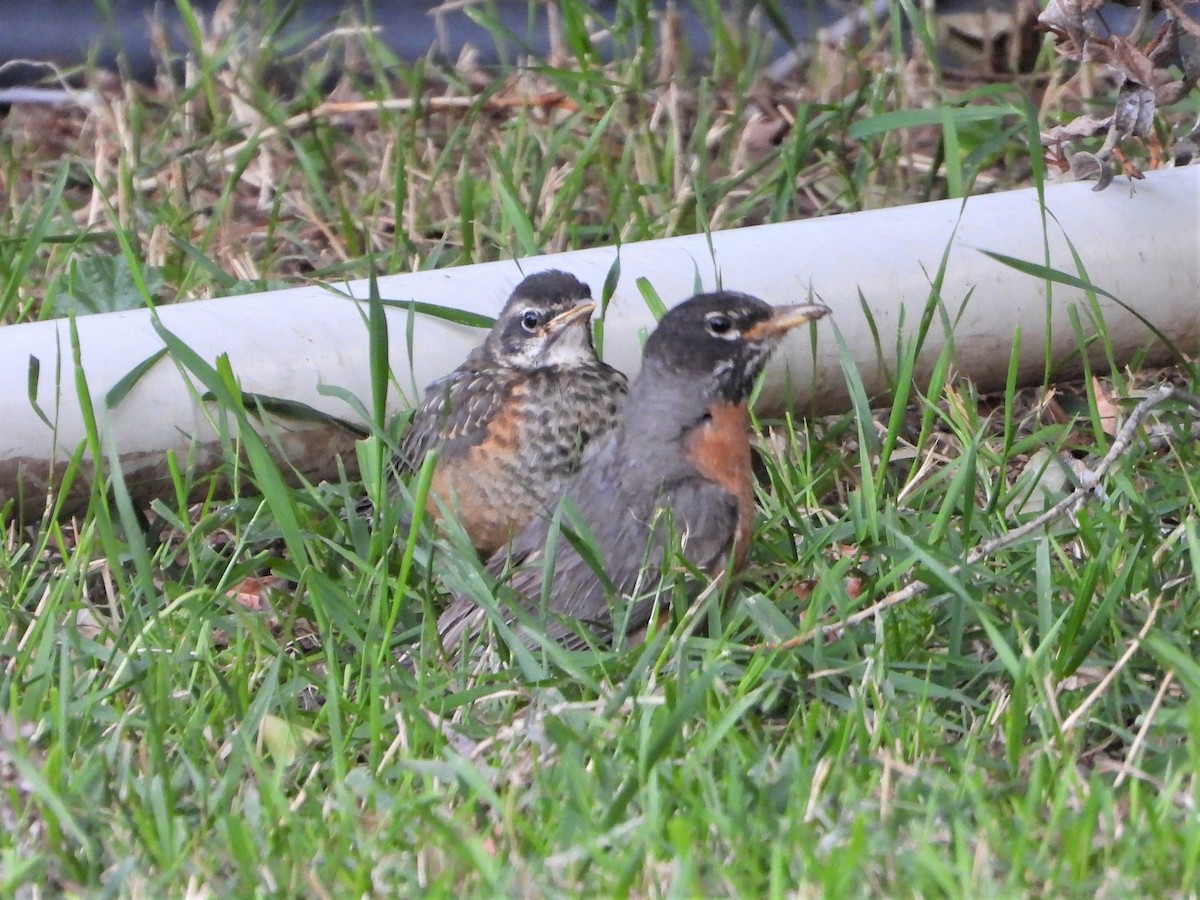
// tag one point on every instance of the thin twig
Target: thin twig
(839, 32)
(1140, 737)
(1088, 483)
(1098, 690)
(1190, 399)
(546, 100)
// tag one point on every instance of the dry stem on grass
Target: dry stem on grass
(1090, 482)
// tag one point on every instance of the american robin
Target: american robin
(510, 423)
(677, 462)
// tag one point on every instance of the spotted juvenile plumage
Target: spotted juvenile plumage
(679, 458)
(510, 424)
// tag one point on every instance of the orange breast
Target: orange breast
(478, 484)
(720, 451)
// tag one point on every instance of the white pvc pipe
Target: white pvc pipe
(1140, 245)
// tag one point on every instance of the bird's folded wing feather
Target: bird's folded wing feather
(706, 519)
(456, 409)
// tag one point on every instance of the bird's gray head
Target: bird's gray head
(720, 342)
(545, 323)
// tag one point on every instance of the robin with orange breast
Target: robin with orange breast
(677, 463)
(511, 423)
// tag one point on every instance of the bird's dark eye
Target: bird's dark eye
(718, 324)
(530, 320)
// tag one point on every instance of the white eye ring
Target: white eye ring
(530, 320)
(719, 324)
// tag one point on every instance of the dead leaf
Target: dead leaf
(762, 133)
(1106, 407)
(1172, 92)
(1086, 166)
(1135, 112)
(1130, 61)
(90, 627)
(1179, 17)
(1042, 482)
(1076, 129)
(803, 589)
(254, 592)
(1050, 410)
(1065, 19)
(284, 740)
(849, 551)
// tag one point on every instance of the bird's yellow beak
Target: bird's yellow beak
(785, 318)
(570, 317)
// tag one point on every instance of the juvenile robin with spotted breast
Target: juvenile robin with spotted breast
(511, 423)
(677, 463)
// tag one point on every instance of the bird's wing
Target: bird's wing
(455, 409)
(705, 517)
(631, 542)
(700, 522)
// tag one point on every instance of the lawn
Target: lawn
(202, 698)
